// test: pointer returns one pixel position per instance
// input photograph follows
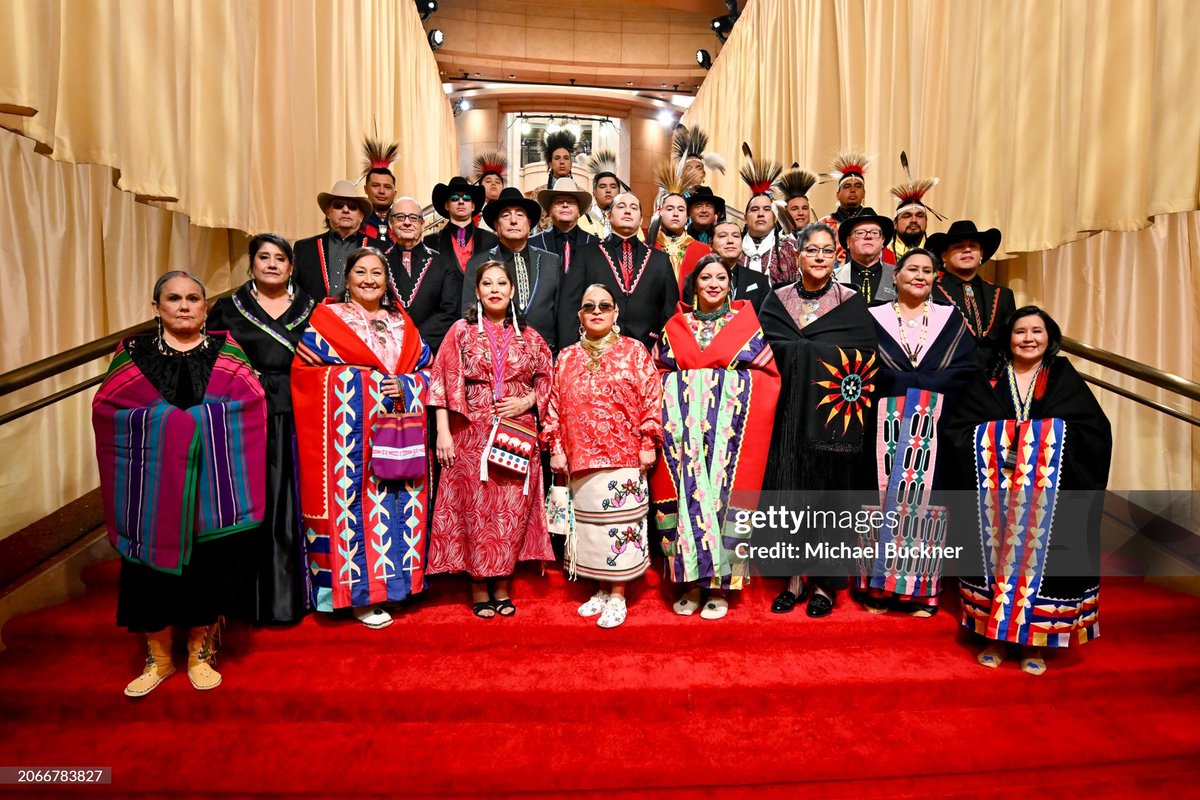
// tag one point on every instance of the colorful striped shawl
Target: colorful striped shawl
(718, 409)
(170, 477)
(366, 539)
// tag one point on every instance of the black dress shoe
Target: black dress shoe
(785, 603)
(819, 605)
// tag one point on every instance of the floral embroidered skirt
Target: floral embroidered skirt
(608, 541)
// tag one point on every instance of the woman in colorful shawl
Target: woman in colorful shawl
(491, 372)
(359, 360)
(824, 342)
(267, 316)
(180, 423)
(926, 359)
(1028, 433)
(720, 386)
(603, 428)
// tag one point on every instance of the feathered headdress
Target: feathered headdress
(691, 143)
(675, 177)
(563, 139)
(377, 156)
(603, 163)
(491, 164)
(759, 175)
(912, 192)
(850, 163)
(796, 182)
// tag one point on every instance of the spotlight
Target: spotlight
(723, 26)
(426, 8)
(436, 39)
(704, 59)
(464, 104)
(666, 119)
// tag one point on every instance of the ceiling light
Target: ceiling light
(666, 118)
(436, 39)
(464, 104)
(704, 59)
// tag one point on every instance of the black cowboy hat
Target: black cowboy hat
(457, 185)
(866, 215)
(509, 197)
(963, 230)
(703, 194)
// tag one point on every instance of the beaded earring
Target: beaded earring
(616, 329)
(479, 308)
(291, 289)
(516, 325)
(159, 341)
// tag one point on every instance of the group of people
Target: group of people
(374, 406)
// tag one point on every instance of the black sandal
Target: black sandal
(785, 603)
(505, 607)
(482, 606)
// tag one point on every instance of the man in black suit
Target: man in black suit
(321, 260)
(427, 287)
(747, 283)
(639, 277)
(538, 274)
(458, 242)
(564, 203)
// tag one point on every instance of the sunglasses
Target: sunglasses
(603, 307)
(339, 205)
(456, 198)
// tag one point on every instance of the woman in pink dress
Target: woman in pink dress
(491, 370)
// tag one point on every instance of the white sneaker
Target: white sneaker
(614, 612)
(372, 616)
(715, 608)
(595, 604)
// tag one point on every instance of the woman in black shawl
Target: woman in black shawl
(926, 359)
(1031, 434)
(824, 344)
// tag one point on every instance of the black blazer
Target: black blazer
(430, 295)
(545, 284)
(308, 272)
(545, 241)
(748, 284)
(441, 244)
(645, 310)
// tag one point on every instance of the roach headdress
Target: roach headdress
(377, 156)
(691, 143)
(911, 193)
(759, 175)
(491, 164)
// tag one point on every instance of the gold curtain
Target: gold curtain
(1048, 120)
(173, 128)
(234, 112)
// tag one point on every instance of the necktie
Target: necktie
(627, 265)
(522, 282)
(566, 256)
(461, 234)
(866, 284)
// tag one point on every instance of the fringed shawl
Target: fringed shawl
(170, 477)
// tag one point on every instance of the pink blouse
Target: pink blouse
(383, 331)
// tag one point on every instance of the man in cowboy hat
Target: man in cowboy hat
(705, 210)
(564, 203)
(864, 237)
(639, 277)
(459, 240)
(426, 286)
(538, 274)
(321, 260)
(984, 305)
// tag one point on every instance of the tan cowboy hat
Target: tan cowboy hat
(346, 191)
(565, 186)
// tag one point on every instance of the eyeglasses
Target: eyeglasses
(407, 217)
(813, 252)
(603, 307)
(455, 198)
(339, 205)
(861, 234)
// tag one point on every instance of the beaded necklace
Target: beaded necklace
(914, 354)
(1023, 405)
(810, 302)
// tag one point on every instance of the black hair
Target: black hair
(381, 171)
(916, 251)
(471, 314)
(1002, 339)
(390, 298)
(259, 240)
(753, 197)
(711, 258)
(807, 232)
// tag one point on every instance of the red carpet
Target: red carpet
(546, 704)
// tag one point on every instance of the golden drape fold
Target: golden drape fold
(234, 112)
(1048, 120)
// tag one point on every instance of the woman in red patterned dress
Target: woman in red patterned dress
(490, 368)
(603, 428)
